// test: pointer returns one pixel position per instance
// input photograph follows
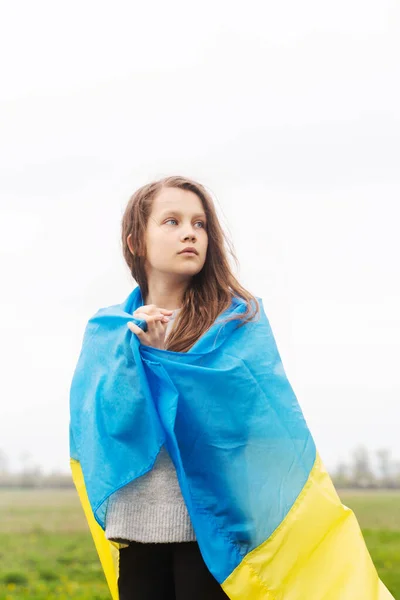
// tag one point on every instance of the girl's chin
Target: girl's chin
(187, 269)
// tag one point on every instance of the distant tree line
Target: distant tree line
(30, 475)
(365, 470)
(368, 470)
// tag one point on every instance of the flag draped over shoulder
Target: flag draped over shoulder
(267, 518)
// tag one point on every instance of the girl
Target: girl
(194, 464)
(174, 247)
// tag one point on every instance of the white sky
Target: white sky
(289, 112)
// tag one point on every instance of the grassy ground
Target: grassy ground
(378, 514)
(46, 550)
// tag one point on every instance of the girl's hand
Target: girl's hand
(157, 320)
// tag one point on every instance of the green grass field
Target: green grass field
(46, 550)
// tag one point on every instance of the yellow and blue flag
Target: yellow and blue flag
(267, 518)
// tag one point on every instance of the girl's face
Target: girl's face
(177, 220)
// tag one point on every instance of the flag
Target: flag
(268, 520)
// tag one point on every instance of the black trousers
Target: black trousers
(166, 571)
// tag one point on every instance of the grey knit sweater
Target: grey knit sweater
(151, 508)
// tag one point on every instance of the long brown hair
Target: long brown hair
(210, 291)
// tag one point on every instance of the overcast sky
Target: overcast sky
(289, 112)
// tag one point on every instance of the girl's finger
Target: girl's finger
(149, 318)
(135, 329)
(157, 319)
(151, 321)
(149, 311)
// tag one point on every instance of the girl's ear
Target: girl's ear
(129, 242)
